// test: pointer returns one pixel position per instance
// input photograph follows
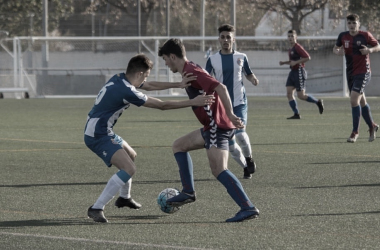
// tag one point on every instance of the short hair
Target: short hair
(173, 46)
(139, 63)
(353, 17)
(226, 27)
(294, 32)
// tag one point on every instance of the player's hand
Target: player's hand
(365, 50)
(202, 100)
(281, 63)
(339, 51)
(186, 79)
(236, 121)
(255, 81)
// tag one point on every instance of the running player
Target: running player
(219, 123)
(354, 45)
(298, 56)
(228, 67)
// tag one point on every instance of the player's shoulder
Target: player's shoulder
(215, 55)
(238, 53)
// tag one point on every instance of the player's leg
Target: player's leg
(309, 98)
(242, 139)
(218, 159)
(125, 199)
(181, 148)
(112, 154)
(290, 89)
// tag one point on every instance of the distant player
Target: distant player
(298, 56)
(116, 96)
(354, 45)
(218, 122)
(228, 67)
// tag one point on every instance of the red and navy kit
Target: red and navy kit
(356, 63)
(296, 53)
(209, 115)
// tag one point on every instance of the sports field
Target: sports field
(313, 189)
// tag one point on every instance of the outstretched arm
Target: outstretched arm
(200, 100)
(221, 89)
(186, 79)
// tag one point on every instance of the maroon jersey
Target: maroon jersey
(356, 63)
(211, 114)
(295, 53)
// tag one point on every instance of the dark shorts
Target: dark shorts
(218, 138)
(104, 147)
(357, 83)
(296, 79)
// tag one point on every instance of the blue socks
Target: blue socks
(185, 165)
(235, 189)
(293, 105)
(367, 116)
(311, 99)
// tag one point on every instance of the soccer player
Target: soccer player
(228, 67)
(354, 45)
(116, 96)
(298, 56)
(218, 122)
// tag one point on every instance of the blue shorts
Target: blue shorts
(296, 79)
(357, 83)
(105, 147)
(218, 139)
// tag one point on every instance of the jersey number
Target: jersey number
(102, 92)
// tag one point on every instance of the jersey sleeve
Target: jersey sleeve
(301, 51)
(338, 42)
(371, 40)
(205, 81)
(246, 69)
(209, 67)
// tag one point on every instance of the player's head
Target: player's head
(226, 37)
(353, 23)
(139, 67)
(172, 52)
(292, 36)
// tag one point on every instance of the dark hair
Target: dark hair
(139, 63)
(294, 32)
(353, 17)
(173, 46)
(226, 27)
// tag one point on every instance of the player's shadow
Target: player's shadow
(344, 162)
(44, 223)
(342, 186)
(338, 214)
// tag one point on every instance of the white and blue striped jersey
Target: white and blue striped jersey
(229, 69)
(116, 96)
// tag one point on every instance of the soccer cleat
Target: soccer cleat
(131, 203)
(244, 215)
(251, 165)
(96, 214)
(372, 132)
(181, 199)
(353, 137)
(247, 174)
(295, 116)
(320, 106)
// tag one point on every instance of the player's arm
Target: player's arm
(284, 62)
(186, 79)
(365, 50)
(224, 97)
(253, 79)
(338, 50)
(300, 61)
(200, 100)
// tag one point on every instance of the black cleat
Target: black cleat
(295, 116)
(320, 106)
(247, 174)
(251, 165)
(122, 202)
(181, 199)
(96, 214)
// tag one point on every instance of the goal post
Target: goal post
(79, 66)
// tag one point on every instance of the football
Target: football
(166, 194)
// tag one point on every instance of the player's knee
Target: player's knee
(177, 146)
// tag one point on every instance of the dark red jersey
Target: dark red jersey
(295, 53)
(211, 114)
(356, 63)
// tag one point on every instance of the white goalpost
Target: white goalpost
(79, 66)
